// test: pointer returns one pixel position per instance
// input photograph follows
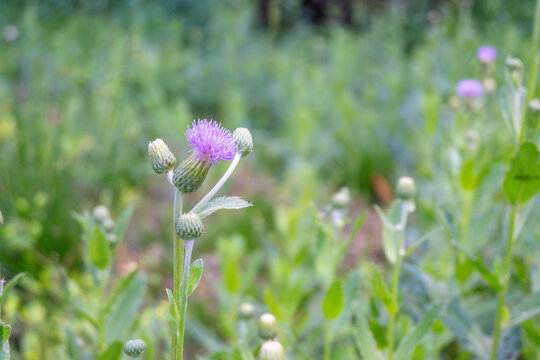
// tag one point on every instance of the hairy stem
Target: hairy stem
(219, 184)
(177, 261)
(187, 249)
(506, 282)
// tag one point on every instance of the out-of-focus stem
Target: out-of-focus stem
(534, 67)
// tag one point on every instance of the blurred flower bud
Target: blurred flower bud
(472, 139)
(108, 225)
(534, 114)
(405, 188)
(189, 226)
(162, 158)
(469, 88)
(134, 348)
(342, 198)
(267, 326)
(534, 106)
(514, 70)
(190, 175)
(272, 350)
(489, 84)
(486, 54)
(243, 140)
(101, 213)
(246, 311)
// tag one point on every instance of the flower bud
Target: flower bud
(267, 326)
(243, 140)
(342, 198)
(162, 158)
(534, 106)
(272, 350)
(189, 226)
(101, 213)
(246, 311)
(190, 175)
(514, 70)
(405, 188)
(134, 348)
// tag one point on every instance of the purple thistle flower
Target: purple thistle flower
(469, 88)
(211, 142)
(486, 54)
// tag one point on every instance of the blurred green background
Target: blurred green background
(336, 93)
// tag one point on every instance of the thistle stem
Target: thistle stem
(187, 249)
(177, 265)
(327, 342)
(506, 282)
(219, 184)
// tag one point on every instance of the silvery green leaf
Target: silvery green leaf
(4, 290)
(363, 336)
(526, 309)
(195, 275)
(390, 233)
(225, 202)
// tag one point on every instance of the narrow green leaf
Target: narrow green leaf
(98, 249)
(423, 239)
(7, 287)
(381, 292)
(390, 234)
(195, 275)
(415, 335)
(122, 309)
(225, 202)
(122, 224)
(523, 180)
(173, 307)
(113, 352)
(363, 336)
(526, 309)
(333, 301)
(490, 278)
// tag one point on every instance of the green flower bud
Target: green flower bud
(342, 198)
(534, 106)
(243, 140)
(163, 159)
(268, 326)
(101, 213)
(134, 348)
(272, 350)
(246, 311)
(189, 226)
(405, 188)
(190, 175)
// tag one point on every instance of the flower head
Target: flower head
(211, 142)
(486, 54)
(469, 88)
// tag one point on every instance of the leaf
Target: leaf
(9, 286)
(333, 301)
(1, 218)
(467, 176)
(480, 267)
(525, 310)
(390, 233)
(98, 249)
(225, 202)
(423, 239)
(5, 331)
(123, 223)
(415, 335)
(113, 352)
(523, 180)
(195, 275)
(122, 307)
(173, 307)
(362, 334)
(382, 293)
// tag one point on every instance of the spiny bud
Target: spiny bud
(246, 311)
(162, 158)
(190, 175)
(243, 140)
(134, 348)
(268, 326)
(405, 188)
(189, 226)
(272, 350)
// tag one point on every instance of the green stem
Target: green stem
(187, 249)
(506, 281)
(534, 67)
(327, 342)
(395, 282)
(177, 266)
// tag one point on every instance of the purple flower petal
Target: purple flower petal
(469, 88)
(486, 54)
(211, 142)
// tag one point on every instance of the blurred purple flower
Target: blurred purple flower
(469, 88)
(211, 142)
(486, 54)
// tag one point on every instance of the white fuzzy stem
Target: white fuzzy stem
(219, 184)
